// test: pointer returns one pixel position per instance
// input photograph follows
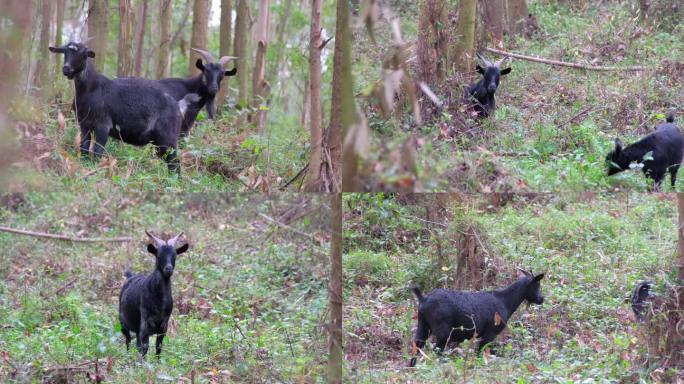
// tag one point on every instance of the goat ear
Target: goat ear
(538, 277)
(182, 248)
(232, 72)
(56, 49)
(91, 53)
(151, 249)
(480, 69)
(618, 145)
(506, 71)
(199, 64)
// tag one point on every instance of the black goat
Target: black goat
(665, 147)
(456, 315)
(145, 302)
(205, 84)
(131, 111)
(640, 300)
(480, 96)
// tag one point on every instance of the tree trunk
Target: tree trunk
(465, 34)
(517, 14)
(280, 36)
(41, 78)
(59, 25)
(494, 21)
(432, 44)
(225, 40)
(164, 58)
(200, 25)
(315, 76)
(680, 243)
(240, 49)
(335, 350)
(12, 40)
(140, 35)
(124, 65)
(98, 23)
(342, 111)
(259, 85)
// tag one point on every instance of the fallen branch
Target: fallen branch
(564, 63)
(281, 225)
(64, 237)
(300, 173)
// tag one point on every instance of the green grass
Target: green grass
(593, 249)
(249, 299)
(553, 125)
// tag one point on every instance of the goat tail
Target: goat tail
(418, 293)
(669, 118)
(128, 274)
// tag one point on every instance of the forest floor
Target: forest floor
(592, 259)
(553, 125)
(250, 298)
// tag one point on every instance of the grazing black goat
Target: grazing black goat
(480, 96)
(640, 299)
(205, 84)
(457, 315)
(134, 112)
(665, 148)
(145, 302)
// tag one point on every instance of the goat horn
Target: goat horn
(486, 62)
(498, 63)
(88, 40)
(207, 56)
(225, 59)
(157, 241)
(172, 241)
(524, 271)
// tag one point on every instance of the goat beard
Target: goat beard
(210, 108)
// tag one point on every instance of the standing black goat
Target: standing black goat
(480, 95)
(205, 84)
(145, 302)
(665, 147)
(457, 315)
(134, 112)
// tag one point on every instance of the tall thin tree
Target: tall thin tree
(200, 26)
(225, 40)
(465, 35)
(517, 14)
(259, 84)
(124, 65)
(164, 59)
(335, 347)
(315, 78)
(495, 22)
(140, 36)
(343, 108)
(98, 26)
(59, 27)
(240, 50)
(43, 63)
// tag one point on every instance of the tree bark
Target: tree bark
(494, 21)
(225, 40)
(12, 40)
(432, 44)
(124, 65)
(43, 63)
(200, 25)
(240, 49)
(343, 108)
(98, 26)
(680, 242)
(59, 26)
(315, 79)
(517, 14)
(259, 85)
(140, 35)
(465, 34)
(335, 347)
(164, 58)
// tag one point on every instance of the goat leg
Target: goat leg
(127, 335)
(160, 339)
(85, 140)
(101, 136)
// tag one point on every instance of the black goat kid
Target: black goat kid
(480, 95)
(206, 85)
(666, 147)
(145, 302)
(456, 315)
(134, 112)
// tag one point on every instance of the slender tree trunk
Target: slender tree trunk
(342, 112)
(494, 21)
(259, 85)
(280, 40)
(335, 347)
(12, 40)
(98, 23)
(225, 40)
(164, 58)
(43, 63)
(465, 35)
(240, 49)
(140, 37)
(680, 243)
(200, 25)
(59, 25)
(517, 13)
(124, 65)
(432, 45)
(315, 76)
